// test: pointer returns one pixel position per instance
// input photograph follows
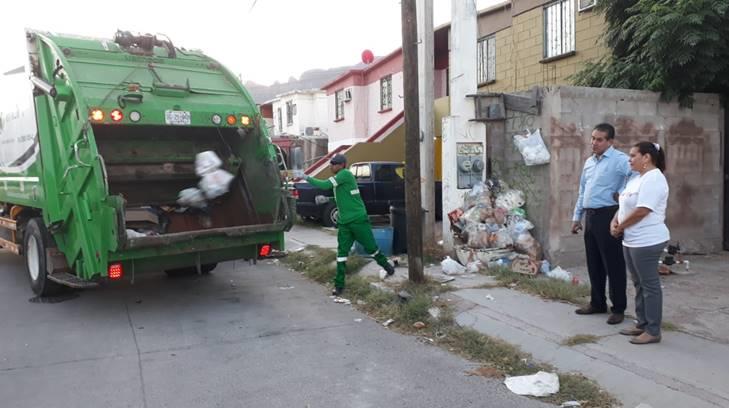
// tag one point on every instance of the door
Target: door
(390, 186)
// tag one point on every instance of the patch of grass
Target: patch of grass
(668, 326)
(544, 287)
(498, 358)
(580, 339)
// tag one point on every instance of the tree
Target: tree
(676, 47)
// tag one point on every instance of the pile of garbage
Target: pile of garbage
(493, 230)
(214, 181)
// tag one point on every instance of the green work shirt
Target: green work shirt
(346, 194)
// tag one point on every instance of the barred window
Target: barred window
(290, 112)
(486, 59)
(339, 104)
(559, 28)
(279, 120)
(386, 92)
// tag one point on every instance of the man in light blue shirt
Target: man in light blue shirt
(603, 177)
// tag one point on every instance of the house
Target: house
(293, 112)
(526, 43)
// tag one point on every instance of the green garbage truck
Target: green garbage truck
(99, 142)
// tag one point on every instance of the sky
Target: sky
(262, 40)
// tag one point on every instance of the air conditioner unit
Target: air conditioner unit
(586, 4)
(347, 95)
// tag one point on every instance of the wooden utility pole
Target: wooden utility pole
(427, 131)
(413, 206)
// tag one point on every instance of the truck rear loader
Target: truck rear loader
(97, 140)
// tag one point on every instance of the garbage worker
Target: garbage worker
(353, 223)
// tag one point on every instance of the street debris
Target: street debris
(559, 273)
(404, 295)
(434, 312)
(451, 267)
(358, 320)
(487, 372)
(571, 404)
(540, 384)
(341, 300)
(643, 405)
(532, 148)
(388, 322)
(286, 287)
(418, 325)
(383, 274)
(445, 279)
(489, 297)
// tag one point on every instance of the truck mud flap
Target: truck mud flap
(167, 239)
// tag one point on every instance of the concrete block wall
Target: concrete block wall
(692, 139)
(520, 48)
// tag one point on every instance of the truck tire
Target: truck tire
(330, 216)
(191, 270)
(36, 240)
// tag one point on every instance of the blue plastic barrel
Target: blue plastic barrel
(383, 237)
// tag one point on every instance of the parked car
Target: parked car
(381, 185)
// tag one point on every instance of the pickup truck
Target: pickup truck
(381, 185)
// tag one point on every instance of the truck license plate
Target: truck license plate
(177, 117)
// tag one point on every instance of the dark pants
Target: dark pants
(604, 260)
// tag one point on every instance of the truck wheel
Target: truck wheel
(191, 270)
(35, 241)
(330, 215)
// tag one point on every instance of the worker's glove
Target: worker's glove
(320, 199)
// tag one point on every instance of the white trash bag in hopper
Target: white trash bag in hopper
(207, 162)
(216, 183)
(532, 148)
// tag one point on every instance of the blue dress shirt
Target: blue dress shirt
(601, 178)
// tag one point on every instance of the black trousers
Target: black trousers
(605, 261)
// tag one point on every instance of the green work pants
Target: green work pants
(360, 231)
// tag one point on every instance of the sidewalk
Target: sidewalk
(689, 368)
(681, 371)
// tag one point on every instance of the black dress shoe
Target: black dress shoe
(389, 269)
(337, 291)
(615, 318)
(587, 310)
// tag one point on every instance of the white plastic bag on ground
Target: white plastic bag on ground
(451, 267)
(191, 197)
(216, 183)
(207, 162)
(473, 267)
(559, 273)
(540, 384)
(532, 148)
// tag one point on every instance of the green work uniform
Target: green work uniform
(353, 223)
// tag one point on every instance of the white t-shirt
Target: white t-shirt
(650, 191)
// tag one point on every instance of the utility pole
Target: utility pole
(427, 131)
(413, 206)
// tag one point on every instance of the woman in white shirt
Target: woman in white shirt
(641, 221)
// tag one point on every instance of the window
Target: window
(361, 171)
(486, 59)
(290, 112)
(388, 173)
(339, 104)
(280, 120)
(386, 93)
(559, 28)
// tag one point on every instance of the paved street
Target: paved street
(242, 337)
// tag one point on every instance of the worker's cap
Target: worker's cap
(338, 159)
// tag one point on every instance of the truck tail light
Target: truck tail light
(97, 115)
(245, 120)
(115, 271)
(264, 251)
(116, 115)
(231, 120)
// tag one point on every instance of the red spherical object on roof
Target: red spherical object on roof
(367, 56)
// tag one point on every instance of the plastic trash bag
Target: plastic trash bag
(532, 148)
(207, 162)
(540, 384)
(478, 194)
(216, 183)
(191, 197)
(527, 244)
(502, 239)
(559, 273)
(451, 267)
(510, 199)
(473, 267)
